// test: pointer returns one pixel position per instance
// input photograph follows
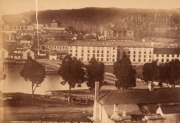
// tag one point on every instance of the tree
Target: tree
(72, 72)
(150, 71)
(125, 73)
(34, 72)
(95, 72)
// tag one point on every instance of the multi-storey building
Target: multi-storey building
(85, 50)
(17, 26)
(109, 52)
(162, 55)
(140, 55)
(116, 34)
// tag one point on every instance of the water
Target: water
(15, 83)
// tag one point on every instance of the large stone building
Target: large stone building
(106, 52)
(109, 52)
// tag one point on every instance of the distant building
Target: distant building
(3, 53)
(85, 50)
(162, 55)
(17, 26)
(26, 44)
(21, 54)
(109, 52)
(116, 34)
(137, 106)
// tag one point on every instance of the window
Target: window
(107, 59)
(157, 55)
(139, 52)
(144, 60)
(97, 55)
(101, 55)
(139, 60)
(134, 52)
(144, 52)
(162, 60)
(162, 55)
(167, 55)
(76, 51)
(172, 55)
(101, 59)
(88, 51)
(97, 51)
(93, 51)
(134, 60)
(167, 60)
(134, 56)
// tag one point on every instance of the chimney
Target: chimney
(95, 108)
(124, 113)
(115, 115)
(151, 86)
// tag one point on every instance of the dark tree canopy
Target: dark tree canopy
(170, 72)
(150, 71)
(125, 73)
(95, 72)
(73, 72)
(34, 72)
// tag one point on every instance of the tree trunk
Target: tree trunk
(69, 97)
(32, 94)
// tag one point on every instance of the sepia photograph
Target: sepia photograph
(89, 61)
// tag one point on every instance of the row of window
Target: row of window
(167, 55)
(141, 60)
(135, 52)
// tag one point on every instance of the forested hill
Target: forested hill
(93, 18)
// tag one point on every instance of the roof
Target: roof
(170, 109)
(140, 96)
(129, 108)
(167, 50)
(99, 43)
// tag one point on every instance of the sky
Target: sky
(18, 6)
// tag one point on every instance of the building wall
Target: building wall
(3, 54)
(162, 58)
(140, 55)
(28, 53)
(52, 57)
(103, 54)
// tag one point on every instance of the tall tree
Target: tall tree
(72, 72)
(95, 72)
(174, 72)
(34, 72)
(125, 73)
(150, 71)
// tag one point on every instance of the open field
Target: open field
(44, 109)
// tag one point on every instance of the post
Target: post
(95, 108)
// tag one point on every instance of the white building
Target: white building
(85, 50)
(162, 55)
(140, 55)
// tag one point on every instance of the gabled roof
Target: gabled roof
(170, 109)
(141, 96)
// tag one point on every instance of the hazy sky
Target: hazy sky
(17, 6)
